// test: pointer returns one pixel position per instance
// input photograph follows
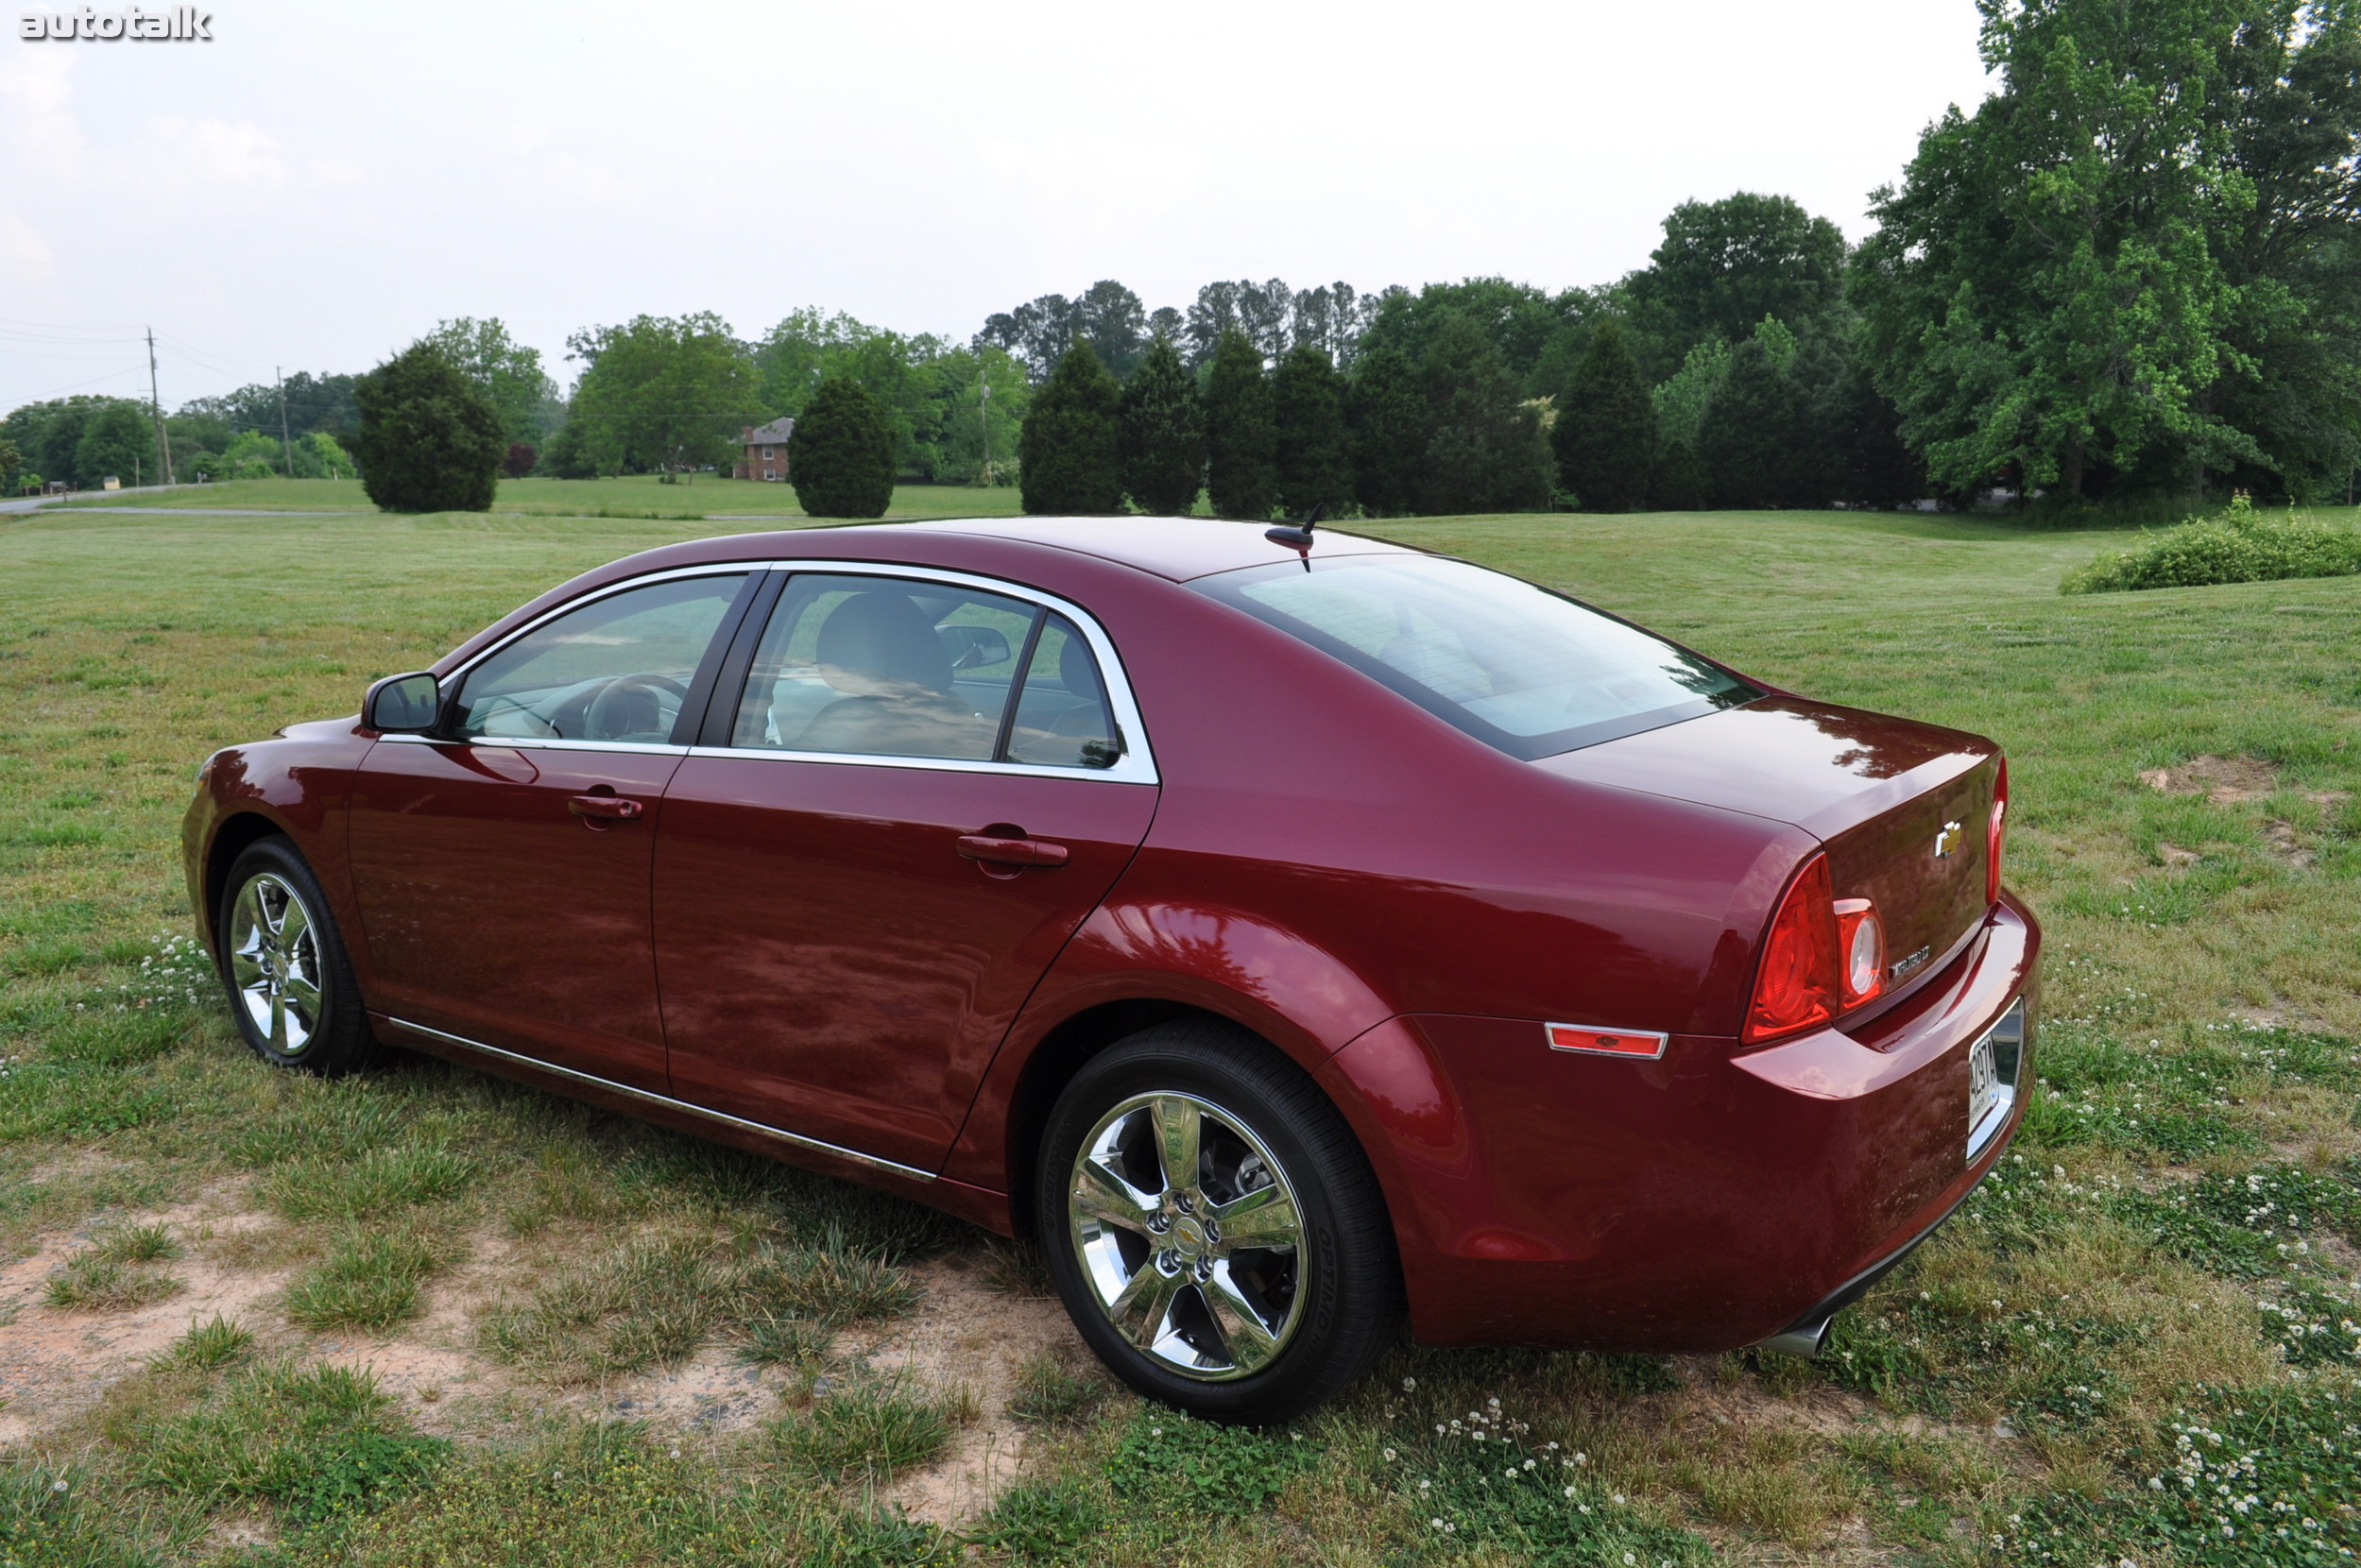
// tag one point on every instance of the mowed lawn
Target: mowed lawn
(2156, 1302)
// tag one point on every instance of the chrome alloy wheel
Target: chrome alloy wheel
(1189, 1235)
(274, 964)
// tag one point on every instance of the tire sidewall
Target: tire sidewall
(1305, 1369)
(277, 857)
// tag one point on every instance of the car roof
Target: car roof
(1174, 548)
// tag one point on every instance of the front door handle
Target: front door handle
(609, 807)
(1000, 851)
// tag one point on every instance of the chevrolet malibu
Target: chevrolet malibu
(1291, 931)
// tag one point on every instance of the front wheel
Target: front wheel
(291, 986)
(1213, 1226)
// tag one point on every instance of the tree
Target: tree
(1112, 320)
(669, 393)
(1749, 429)
(1678, 482)
(1312, 447)
(1242, 441)
(117, 441)
(1386, 409)
(320, 455)
(430, 440)
(1485, 450)
(1520, 320)
(1605, 438)
(981, 398)
(11, 464)
(1163, 433)
(1071, 459)
(2051, 290)
(504, 371)
(840, 457)
(1725, 265)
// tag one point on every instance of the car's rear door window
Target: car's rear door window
(617, 670)
(1529, 672)
(860, 665)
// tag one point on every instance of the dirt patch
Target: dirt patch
(968, 1335)
(56, 1362)
(2174, 857)
(964, 1342)
(2227, 781)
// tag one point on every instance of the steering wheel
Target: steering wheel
(607, 711)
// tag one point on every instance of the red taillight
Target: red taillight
(1796, 986)
(1861, 943)
(1998, 832)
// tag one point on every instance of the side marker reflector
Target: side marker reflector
(1606, 1042)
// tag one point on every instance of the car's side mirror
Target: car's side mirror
(973, 647)
(403, 705)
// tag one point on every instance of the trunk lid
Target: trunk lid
(1878, 792)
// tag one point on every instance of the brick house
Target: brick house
(763, 451)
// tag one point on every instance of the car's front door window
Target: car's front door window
(616, 670)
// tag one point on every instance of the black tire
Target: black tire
(1324, 1308)
(292, 993)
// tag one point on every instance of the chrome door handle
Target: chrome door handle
(611, 808)
(1000, 851)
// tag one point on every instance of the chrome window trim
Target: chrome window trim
(668, 1102)
(1136, 766)
(536, 743)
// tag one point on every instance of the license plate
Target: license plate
(1992, 1062)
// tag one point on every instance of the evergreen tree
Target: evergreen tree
(1485, 450)
(430, 441)
(1749, 432)
(1388, 414)
(1163, 433)
(1677, 483)
(1242, 440)
(1605, 437)
(840, 456)
(1315, 456)
(1070, 459)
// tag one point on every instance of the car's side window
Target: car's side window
(884, 666)
(616, 670)
(1063, 720)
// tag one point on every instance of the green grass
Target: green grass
(2168, 1251)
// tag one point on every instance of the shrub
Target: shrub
(1068, 462)
(1242, 434)
(1605, 438)
(2236, 545)
(1163, 433)
(841, 456)
(430, 441)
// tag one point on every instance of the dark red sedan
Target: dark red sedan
(1289, 931)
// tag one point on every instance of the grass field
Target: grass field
(639, 497)
(395, 1320)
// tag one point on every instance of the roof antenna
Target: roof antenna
(1296, 535)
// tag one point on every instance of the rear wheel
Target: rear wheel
(1213, 1227)
(290, 982)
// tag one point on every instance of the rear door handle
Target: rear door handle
(999, 851)
(612, 808)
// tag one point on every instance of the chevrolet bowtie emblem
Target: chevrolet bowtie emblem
(1946, 841)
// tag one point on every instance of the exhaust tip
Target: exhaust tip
(1804, 1339)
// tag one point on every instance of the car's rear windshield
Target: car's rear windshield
(1529, 672)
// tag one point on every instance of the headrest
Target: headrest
(885, 638)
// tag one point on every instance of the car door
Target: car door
(501, 865)
(924, 784)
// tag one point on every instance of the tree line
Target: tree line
(2132, 271)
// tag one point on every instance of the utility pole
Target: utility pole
(156, 406)
(285, 443)
(984, 416)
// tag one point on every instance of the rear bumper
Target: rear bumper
(1704, 1201)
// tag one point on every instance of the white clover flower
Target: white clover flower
(1410, 1383)
(1389, 1454)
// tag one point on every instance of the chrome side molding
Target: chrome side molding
(651, 1097)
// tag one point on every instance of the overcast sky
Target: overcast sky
(324, 180)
